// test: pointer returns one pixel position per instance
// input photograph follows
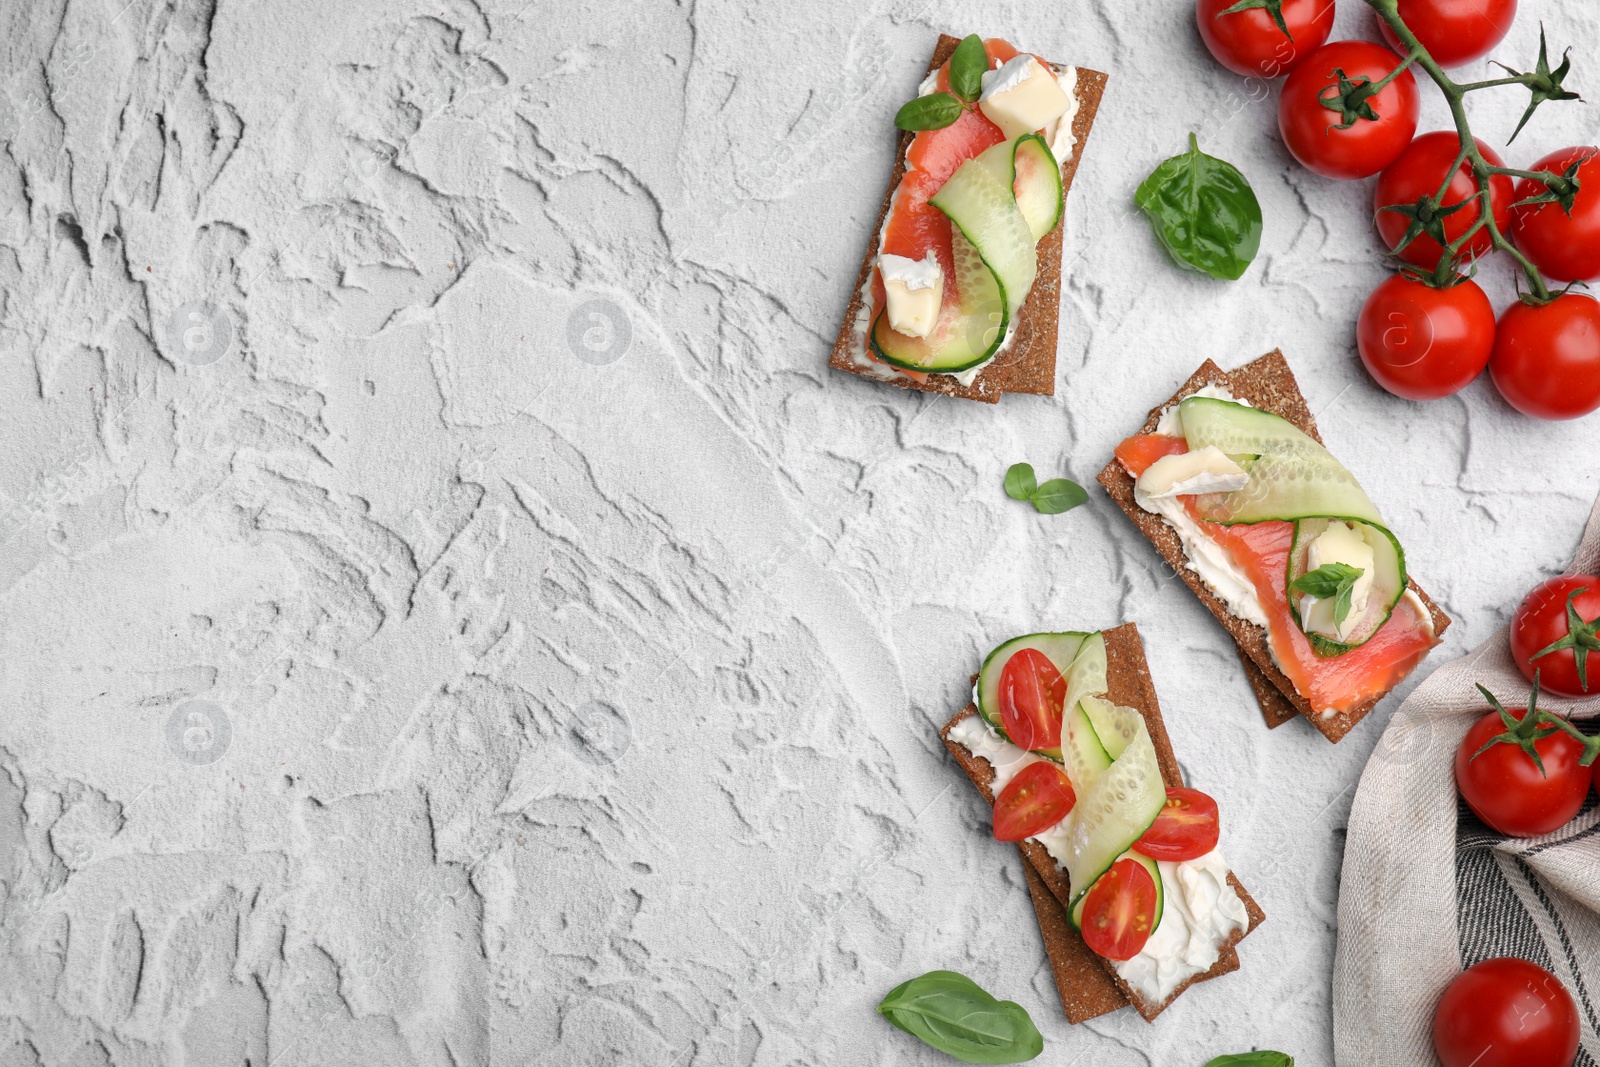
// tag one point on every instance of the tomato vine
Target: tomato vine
(1545, 85)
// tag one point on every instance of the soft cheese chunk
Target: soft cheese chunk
(914, 289)
(1022, 96)
(1339, 543)
(1206, 470)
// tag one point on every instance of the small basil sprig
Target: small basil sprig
(1264, 1058)
(1203, 212)
(953, 1014)
(1051, 498)
(938, 110)
(1331, 581)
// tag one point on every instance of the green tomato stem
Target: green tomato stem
(1454, 95)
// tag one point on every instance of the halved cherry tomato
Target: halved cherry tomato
(1031, 693)
(1187, 828)
(1036, 799)
(1119, 911)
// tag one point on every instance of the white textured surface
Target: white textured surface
(416, 551)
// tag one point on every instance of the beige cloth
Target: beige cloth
(1428, 890)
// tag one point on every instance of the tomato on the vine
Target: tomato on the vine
(1365, 146)
(1119, 911)
(1546, 360)
(1556, 624)
(1506, 1012)
(1454, 31)
(1503, 784)
(1040, 796)
(1422, 343)
(1031, 693)
(1418, 173)
(1250, 42)
(1564, 244)
(1187, 828)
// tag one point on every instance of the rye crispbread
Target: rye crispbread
(1269, 384)
(1081, 976)
(1029, 364)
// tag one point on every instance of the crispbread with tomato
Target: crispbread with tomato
(1081, 708)
(1230, 481)
(971, 309)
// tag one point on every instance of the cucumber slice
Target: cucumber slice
(1036, 181)
(1388, 583)
(1113, 811)
(970, 327)
(980, 203)
(1291, 475)
(1087, 676)
(1155, 874)
(1114, 727)
(1085, 757)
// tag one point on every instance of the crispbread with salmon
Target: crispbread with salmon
(1266, 383)
(1085, 980)
(1028, 364)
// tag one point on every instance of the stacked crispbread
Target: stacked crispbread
(1089, 986)
(1270, 385)
(1028, 365)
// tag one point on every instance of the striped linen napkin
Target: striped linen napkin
(1427, 890)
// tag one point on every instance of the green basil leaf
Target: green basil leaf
(1203, 212)
(932, 112)
(1264, 1058)
(1335, 581)
(1020, 482)
(953, 1014)
(967, 66)
(1326, 581)
(1058, 495)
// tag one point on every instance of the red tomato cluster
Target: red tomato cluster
(1523, 774)
(1417, 341)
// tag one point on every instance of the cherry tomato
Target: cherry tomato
(1505, 788)
(1187, 828)
(1506, 1012)
(1310, 130)
(1419, 172)
(1423, 343)
(1119, 911)
(1031, 692)
(1454, 31)
(1036, 799)
(1541, 621)
(1546, 360)
(1249, 42)
(1565, 246)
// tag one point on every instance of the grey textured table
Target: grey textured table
(449, 614)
